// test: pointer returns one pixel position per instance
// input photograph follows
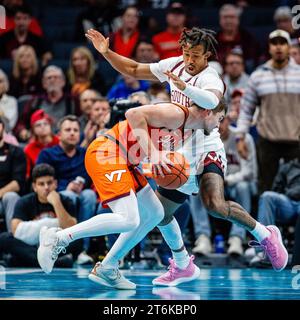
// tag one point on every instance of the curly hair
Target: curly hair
(197, 36)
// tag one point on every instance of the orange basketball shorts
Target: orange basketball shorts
(110, 172)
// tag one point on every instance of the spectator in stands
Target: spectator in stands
(99, 15)
(82, 73)
(295, 53)
(12, 176)
(42, 138)
(67, 158)
(235, 76)
(282, 204)
(55, 102)
(283, 20)
(125, 86)
(166, 43)
(235, 105)
(232, 36)
(140, 97)
(275, 87)
(240, 185)
(234, 111)
(99, 118)
(158, 93)
(144, 52)
(25, 78)
(21, 35)
(125, 39)
(8, 104)
(10, 7)
(86, 99)
(43, 207)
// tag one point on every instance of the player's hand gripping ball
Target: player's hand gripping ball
(180, 170)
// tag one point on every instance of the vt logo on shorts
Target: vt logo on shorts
(119, 173)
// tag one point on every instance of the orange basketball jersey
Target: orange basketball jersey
(111, 159)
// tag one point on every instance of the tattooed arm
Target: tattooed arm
(212, 192)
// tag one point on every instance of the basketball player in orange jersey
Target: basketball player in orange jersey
(111, 160)
(191, 80)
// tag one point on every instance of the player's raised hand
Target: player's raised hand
(176, 80)
(99, 41)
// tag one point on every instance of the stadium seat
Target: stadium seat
(58, 33)
(61, 16)
(108, 73)
(6, 65)
(62, 50)
(261, 33)
(62, 63)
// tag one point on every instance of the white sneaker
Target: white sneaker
(202, 245)
(250, 253)
(258, 259)
(84, 258)
(235, 246)
(110, 278)
(49, 248)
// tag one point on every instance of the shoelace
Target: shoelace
(56, 250)
(117, 273)
(272, 248)
(172, 269)
(114, 272)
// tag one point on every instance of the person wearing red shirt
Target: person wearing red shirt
(166, 43)
(126, 38)
(10, 6)
(42, 138)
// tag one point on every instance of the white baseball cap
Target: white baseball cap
(280, 34)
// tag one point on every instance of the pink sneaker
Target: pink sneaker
(176, 276)
(274, 249)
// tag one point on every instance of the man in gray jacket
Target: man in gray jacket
(275, 87)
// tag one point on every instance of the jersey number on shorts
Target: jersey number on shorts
(118, 173)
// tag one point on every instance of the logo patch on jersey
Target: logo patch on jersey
(117, 173)
(213, 157)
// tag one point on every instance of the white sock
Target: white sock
(260, 232)
(151, 213)
(172, 235)
(124, 218)
(182, 258)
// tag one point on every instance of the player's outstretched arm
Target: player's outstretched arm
(118, 62)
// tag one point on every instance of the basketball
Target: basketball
(179, 174)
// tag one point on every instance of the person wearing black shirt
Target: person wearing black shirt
(43, 207)
(12, 176)
(21, 35)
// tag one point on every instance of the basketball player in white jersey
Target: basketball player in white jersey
(192, 81)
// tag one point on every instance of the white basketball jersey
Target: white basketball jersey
(195, 148)
(206, 79)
